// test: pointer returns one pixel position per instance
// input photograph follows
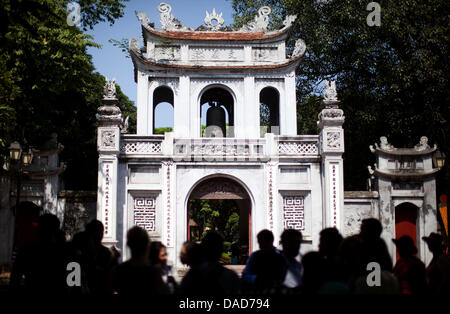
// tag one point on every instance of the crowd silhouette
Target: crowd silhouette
(338, 267)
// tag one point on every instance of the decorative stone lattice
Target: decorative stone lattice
(308, 149)
(145, 213)
(141, 148)
(294, 212)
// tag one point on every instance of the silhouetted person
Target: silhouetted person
(158, 259)
(409, 270)
(136, 276)
(265, 269)
(44, 263)
(438, 271)
(329, 242)
(314, 272)
(290, 241)
(99, 259)
(373, 247)
(184, 252)
(207, 276)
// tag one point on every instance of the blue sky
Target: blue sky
(111, 62)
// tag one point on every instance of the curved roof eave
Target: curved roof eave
(142, 62)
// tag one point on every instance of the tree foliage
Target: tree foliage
(392, 80)
(48, 83)
(221, 216)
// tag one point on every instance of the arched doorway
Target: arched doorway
(222, 205)
(406, 221)
(217, 104)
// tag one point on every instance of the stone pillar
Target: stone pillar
(288, 117)
(251, 108)
(181, 108)
(109, 119)
(144, 117)
(331, 119)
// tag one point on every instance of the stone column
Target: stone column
(109, 119)
(144, 107)
(331, 119)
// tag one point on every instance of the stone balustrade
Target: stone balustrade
(269, 146)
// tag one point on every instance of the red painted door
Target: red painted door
(405, 221)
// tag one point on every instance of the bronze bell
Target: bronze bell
(215, 121)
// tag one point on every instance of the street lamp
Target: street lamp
(21, 159)
(14, 151)
(439, 159)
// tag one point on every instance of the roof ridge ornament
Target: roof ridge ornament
(260, 22)
(214, 17)
(168, 21)
(289, 20)
(423, 144)
(300, 48)
(142, 16)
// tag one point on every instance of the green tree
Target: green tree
(47, 80)
(392, 80)
(219, 215)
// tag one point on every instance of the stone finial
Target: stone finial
(300, 48)
(214, 17)
(423, 144)
(330, 93)
(109, 112)
(168, 21)
(109, 91)
(261, 21)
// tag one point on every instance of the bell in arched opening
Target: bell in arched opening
(215, 121)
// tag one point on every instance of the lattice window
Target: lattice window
(298, 148)
(294, 212)
(145, 213)
(141, 147)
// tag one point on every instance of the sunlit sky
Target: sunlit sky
(111, 62)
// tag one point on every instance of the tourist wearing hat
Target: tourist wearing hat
(409, 270)
(439, 268)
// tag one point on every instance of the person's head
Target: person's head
(138, 242)
(291, 240)
(329, 242)
(48, 228)
(405, 246)
(265, 239)
(195, 255)
(435, 243)
(158, 253)
(212, 245)
(184, 252)
(371, 228)
(95, 231)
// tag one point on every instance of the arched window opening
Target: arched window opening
(163, 111)
(217, 113)
(269, 114)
